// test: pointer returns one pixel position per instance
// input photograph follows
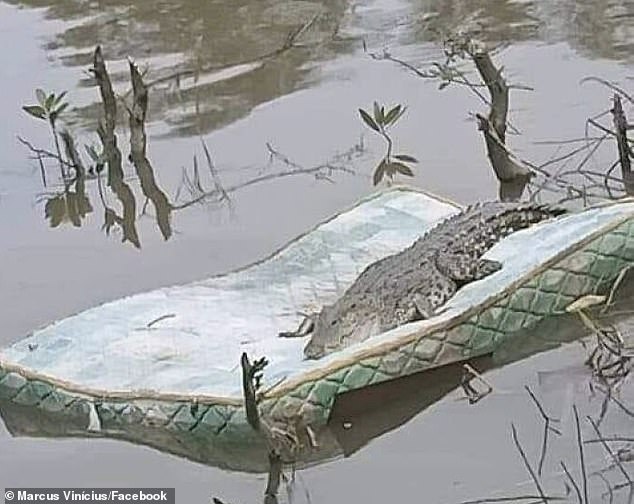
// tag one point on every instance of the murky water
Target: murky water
(239, 91)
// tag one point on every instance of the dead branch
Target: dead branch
(613, 439)
(547, 428)
(527, 464)
(625, 153)
(616, 401)
(506, 169)
(607, 448)
(138, 146)
(582, 460)
(609, 85)
(274, 478)
(572, 481)
(43, 153)
(494, 126)
(520, 498)
(607, 485)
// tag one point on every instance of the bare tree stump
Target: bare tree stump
(494, 126)
(625, 153)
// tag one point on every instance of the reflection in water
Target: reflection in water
(71, 204)
(138, 146)
(357, 417)
(213, 62)
(74, 205)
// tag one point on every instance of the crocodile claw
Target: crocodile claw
(306, 327)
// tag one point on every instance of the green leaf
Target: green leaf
(378, 114)
(49, 101)
(61, 108)
(35, 111)
(41, 96)
(398, 115)
(392, 114)
(368, 120)
(59, 98)
(379, 172)
(406, 158)
(400, 168)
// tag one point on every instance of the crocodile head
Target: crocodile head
(336, 329)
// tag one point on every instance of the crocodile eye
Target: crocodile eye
(334, 322)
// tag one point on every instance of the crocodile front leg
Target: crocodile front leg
(464, 268)
(425, 300)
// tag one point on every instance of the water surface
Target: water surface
(238, 94)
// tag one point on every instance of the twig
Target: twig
(582, 459)
(572, 481)
(158, 319)
(214, 173)
(615, 459)
(614, 439)
(43, 153)
(621, 127)
(616, 401)
(607, 484)
(527, 465)
(520, 498)
(547, 428)
(610, 85)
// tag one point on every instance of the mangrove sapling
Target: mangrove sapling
(460, 47)
(391, 164)
(49, 109)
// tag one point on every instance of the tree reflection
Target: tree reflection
(210, 61)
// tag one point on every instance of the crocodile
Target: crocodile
(416, 282)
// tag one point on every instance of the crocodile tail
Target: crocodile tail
(498, 220)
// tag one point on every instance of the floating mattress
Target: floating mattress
(162, 368)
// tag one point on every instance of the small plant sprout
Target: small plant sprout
(49, 109)
(391, 164)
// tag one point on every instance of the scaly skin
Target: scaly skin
(412, 284)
